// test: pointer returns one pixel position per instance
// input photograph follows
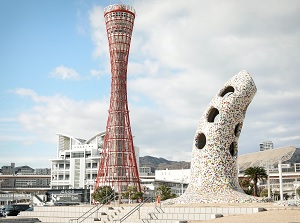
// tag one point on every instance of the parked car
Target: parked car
(21, 206)
(2, 212)
(10, 210)
(29, 209)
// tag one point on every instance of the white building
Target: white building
(43, 182)
(266, 145)
(77, 162)
(282, 165)
(147, 178)
(177, 180)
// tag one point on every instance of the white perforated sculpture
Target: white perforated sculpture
(214, 176)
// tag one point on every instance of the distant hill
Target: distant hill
(162, 164)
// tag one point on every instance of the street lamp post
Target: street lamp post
(268, 180)
(90, 187)
(280, 179)
(295, 186)
(14, 181)
(182, 181)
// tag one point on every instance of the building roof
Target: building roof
(95, 136)
(83, 141)
(271, 156)
(80, 141)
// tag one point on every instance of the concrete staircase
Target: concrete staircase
(60, 214)
(118, 213)
(148, 213)
(183, 214)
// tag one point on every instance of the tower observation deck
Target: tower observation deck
(118, 166)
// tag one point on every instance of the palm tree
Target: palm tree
(132, 193)
(103, 194)
(255, 173)
(165, 192)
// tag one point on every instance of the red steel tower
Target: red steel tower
(118, 166)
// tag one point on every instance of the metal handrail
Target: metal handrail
(40, 200)
(105, 201)
(134, 210)
(159, 209)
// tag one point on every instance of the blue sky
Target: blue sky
(55, 74)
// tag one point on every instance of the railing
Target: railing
(154, 215)
(159, 209)
(87, 214)
(134, 210)
(39, 199)
(285, 186)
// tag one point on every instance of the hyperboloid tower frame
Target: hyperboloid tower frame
(118, 166)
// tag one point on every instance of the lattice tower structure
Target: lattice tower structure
(118, 166)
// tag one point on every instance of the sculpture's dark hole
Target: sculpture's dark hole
(200, 141)
(233, 150)
(212, 114)
(237, 130)
(227, 91)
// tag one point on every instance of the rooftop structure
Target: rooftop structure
(267, 157)
(119, 7)
(266, 145)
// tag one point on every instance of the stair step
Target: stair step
(19, 220)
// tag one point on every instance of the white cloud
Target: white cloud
(99, 38)
(196, 47)
(24, 92)
(96, 73)
(58, 114)
(65, 73)
(179, 60)
(98, 31)
(181, 55)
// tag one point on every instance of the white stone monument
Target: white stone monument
(214, 175)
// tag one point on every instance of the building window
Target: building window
(78, 155)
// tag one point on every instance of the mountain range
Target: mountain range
(162, 164)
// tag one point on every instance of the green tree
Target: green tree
(255, 173)
(246, 185)
(103, 194)
(132, 193)
(165, 192)
(264, 193)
